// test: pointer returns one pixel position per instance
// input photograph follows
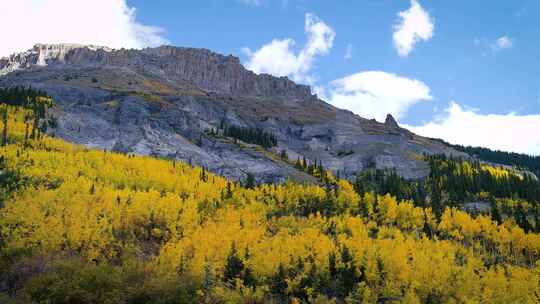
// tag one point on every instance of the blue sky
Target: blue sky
(458, 63)
(471, 77)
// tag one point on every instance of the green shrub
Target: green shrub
(75, 282)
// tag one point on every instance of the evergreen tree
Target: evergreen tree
(4, 117)
(234, 266)
(248, 277)
(283, 155)
(251, 135)
(347, 273)
(278, 284)
(250, 181)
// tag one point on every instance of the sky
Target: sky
(463, 71)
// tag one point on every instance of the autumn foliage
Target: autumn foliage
(86, 226)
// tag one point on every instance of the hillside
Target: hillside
(528, 162)
(89, 226)
(176, 102)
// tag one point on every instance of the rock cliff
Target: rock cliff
(167, 101)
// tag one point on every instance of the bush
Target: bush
(75, 282)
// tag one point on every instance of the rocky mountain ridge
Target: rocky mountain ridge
(167, 101)
(202, 68)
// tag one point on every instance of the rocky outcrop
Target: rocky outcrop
(163, 101)
(42, 55)
(223, 74)
(201, 68)
(391, 122)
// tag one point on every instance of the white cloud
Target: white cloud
(348, 52)
(501, 43)
(111, 23)
(373, 94)
(279, 59)
(511, 132)
(413, 25)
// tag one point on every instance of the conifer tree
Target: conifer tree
(250, 181)
(4, 118)
(234, 266)
(279, 284)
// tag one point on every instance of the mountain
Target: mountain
(87, 226)
(178, 102)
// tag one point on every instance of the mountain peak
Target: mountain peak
(391, 121)
(202, 68)
(68, 47)
(42, 54)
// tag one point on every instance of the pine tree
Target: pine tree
(248, 277)
(278, 284)
(495, 214)
(234, 266)
(347, 273)
(4, 117)
(250, 181)
(283, 155)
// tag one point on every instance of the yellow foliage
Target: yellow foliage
(100, 205)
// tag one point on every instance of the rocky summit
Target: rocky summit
(175, 102)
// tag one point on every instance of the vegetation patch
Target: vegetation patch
(250, 135)
(132, 229)
(345, 153)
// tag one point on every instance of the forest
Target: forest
(525, 161)
(454, 182)
(250, 135)
(85, 226)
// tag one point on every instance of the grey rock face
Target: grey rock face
(391, 122)
(163, 101)
(42, 55)
(200, 68)
(477, 207)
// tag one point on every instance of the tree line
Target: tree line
(35, 102)
(454, 181)
(250, 135)
(519, 160)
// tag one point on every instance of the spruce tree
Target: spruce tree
(4, 117)
(250, 181)
(234, 266)
(278, 284)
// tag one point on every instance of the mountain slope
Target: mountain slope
(168, 101)
(87, 226)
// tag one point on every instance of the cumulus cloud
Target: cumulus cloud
(374, 94)
(501, 43)
(511, 132)
(111, 23)
(413, 25)
(279, 58)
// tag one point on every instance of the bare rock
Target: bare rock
(162, 101)
(391, 122)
